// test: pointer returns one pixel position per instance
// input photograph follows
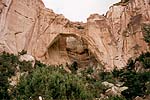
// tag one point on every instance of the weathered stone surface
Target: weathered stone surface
(27, 57)
(118, 35)
(110, 40)
(114, 89)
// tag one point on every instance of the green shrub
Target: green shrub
(54, 83)
(144, 58)
(74, 67)
(146, 30)
(107, 76)
(137, 82)
(147, 84)
(8, 67)
(39, 64)
(96, 88)
(135, 86)
(94, 84)
(116, 98)
(25, 66)
(8, 63)
(89, 70)
(51, 83)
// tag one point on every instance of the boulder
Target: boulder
(27, 57)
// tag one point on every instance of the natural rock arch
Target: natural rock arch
(70, 47)
(111, 38)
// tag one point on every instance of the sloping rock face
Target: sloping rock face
(126, 23)
(118, 35)
(110, 40)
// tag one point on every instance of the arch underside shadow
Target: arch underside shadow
(69, 48)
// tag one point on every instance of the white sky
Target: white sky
(79, 10)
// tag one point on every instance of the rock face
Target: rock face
(110, 40)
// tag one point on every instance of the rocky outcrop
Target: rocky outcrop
(110, 40)
(118, 35)
(114, 89)
(126, 22)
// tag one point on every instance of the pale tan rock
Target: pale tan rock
(14, 79)
(113, 89)
(107, 84)
(110, 40)
(138, 98)
(27, 57)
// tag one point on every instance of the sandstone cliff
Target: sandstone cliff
(110, 40)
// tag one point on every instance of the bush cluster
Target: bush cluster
(137, 82)
(54, 83)
(8, 67)
(8, 64)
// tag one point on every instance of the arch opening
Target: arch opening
(69, 48)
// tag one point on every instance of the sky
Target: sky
(79, 10)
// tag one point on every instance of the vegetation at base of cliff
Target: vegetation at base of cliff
(144, 58)
(7, 69)
(52, 84)
(55, 83)
(137, 81)
(115, 98)
(135, 76)
(9, 64)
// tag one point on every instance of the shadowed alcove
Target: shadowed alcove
(70, 48)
